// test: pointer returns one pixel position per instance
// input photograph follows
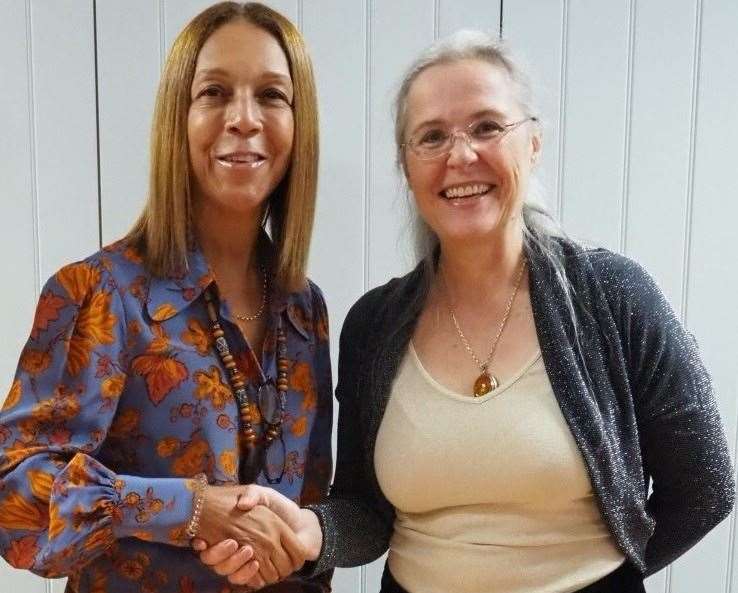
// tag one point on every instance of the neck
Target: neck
(474, 270)
(228, 242)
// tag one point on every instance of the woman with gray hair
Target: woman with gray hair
(506, 405)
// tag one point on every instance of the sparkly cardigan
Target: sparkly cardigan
(634, 392)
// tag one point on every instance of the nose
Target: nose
(244, 116)
(462, 153)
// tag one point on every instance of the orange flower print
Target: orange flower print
(132, 255)
(210, 386)
(164, 312)
(125, 423)
(227, 460)
(162, 372)
(112, 387)
(22, 552)
(64, 405)
(98, 582)
(34, 361)
(94, 327)
(18, 513)
(97, 539)
(301, 379)
(321, 328)
(166, 447)
(131, 569)
(47, 311)
(224, 421)
(196, 457)
(16, 390)
(196, 335)
(57, 523)
(78, 280)
(299, 426)
(40, 483)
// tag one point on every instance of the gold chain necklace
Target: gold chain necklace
(258, 314)
(486, 381)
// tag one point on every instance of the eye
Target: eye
(432, 137)
(275, 95)
(211, 91)
(486, 128)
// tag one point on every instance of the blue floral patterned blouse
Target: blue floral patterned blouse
(120, 399)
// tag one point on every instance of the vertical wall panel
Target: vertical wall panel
(66, 136)
(398, 33)
(18, 219)
(659, 165)
(713, 284)
(596, 74)
(337, 253)
(18, 196)
(452, 15)
(536, 33)
(128, 73)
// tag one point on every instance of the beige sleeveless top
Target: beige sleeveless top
(491, 493)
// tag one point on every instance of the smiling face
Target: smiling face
(472, 191)
(240, 123)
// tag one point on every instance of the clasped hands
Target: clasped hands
(255, 536)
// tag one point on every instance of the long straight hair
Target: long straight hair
(163, 232)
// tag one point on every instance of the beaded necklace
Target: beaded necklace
(270, 398)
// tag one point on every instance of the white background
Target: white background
(639, 100)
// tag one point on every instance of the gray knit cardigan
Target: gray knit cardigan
(634, 392)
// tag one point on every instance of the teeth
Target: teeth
(252, 158)
(464, 191)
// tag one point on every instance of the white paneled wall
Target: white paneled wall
(638, 100)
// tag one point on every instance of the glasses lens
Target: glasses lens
(270, 403)
(252, 461)
(274, 462)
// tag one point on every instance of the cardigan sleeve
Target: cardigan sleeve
(683, 443)
(356, 523)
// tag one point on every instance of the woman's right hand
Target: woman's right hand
(247, 542)
(227, 559)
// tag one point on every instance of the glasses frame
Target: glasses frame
(464, 133)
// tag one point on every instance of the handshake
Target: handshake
(255, 536)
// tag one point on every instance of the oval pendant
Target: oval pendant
(484, 384)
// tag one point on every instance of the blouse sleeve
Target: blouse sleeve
(684, 446)
(60, 507)
(319, 462)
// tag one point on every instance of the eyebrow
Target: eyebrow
(477, 114)
(269, 74)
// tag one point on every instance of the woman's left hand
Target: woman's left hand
(227, 559)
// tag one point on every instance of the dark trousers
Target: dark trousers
(625, 579)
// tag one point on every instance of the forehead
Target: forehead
(241, 45)
(453, 91)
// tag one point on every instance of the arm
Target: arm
(56, 500)
(356, 525)
(682, 439)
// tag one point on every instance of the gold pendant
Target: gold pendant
(484, 384)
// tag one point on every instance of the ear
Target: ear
(536, 141)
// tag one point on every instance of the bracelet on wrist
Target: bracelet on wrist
(198, 498)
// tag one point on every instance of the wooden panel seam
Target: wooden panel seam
(624, 203)
(33, 150)
(562, 110)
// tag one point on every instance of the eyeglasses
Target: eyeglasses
(434, 142)
(271, 457)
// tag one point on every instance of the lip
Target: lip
(241, 159)
(479, 185)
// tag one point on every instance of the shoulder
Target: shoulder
(385, 305)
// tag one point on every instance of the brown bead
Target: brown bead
(218, 333)
(250, 436)
(227, 357)
(238, 384)
(230, 365)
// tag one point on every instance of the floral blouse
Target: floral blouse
(120, 399)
